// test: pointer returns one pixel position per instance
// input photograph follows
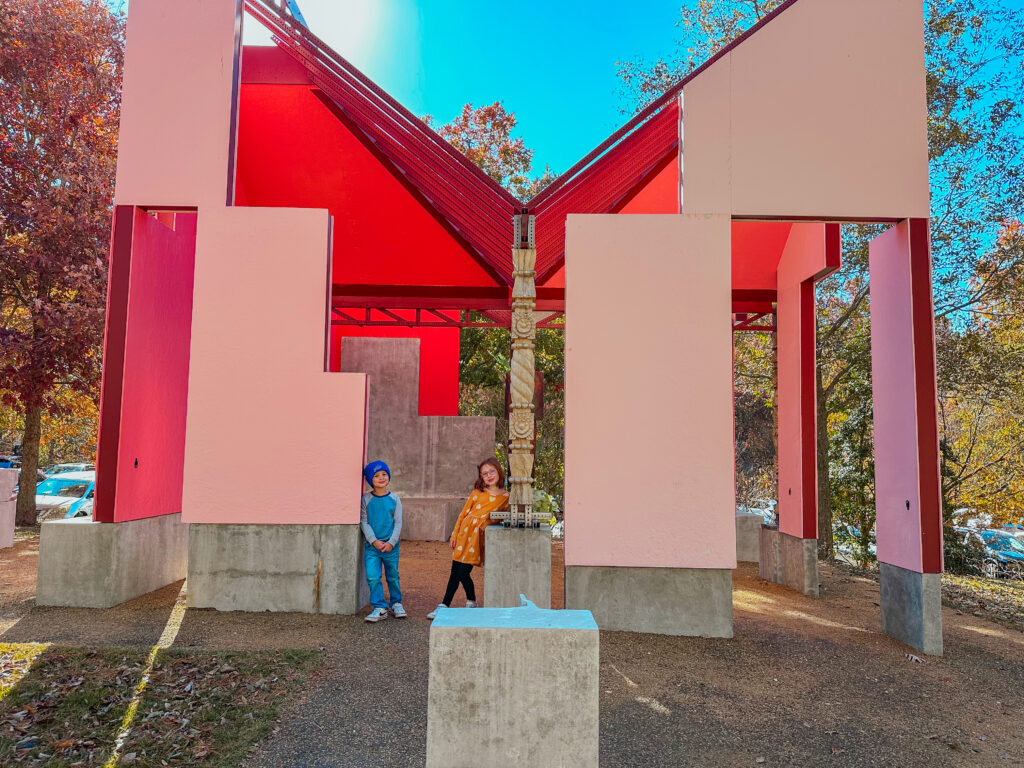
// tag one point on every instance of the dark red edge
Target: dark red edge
(808, 411)
(410, 187)
(927, 396)
(112, 379)
(670, 157)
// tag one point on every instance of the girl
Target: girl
(467, 540)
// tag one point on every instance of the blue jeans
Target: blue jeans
(373, 560)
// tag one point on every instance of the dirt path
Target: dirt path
(804, 682)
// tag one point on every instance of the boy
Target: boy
(380, 515)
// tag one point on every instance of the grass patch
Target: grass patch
(66, 704)
(1001, 600)
(211, 709)
(63, 707)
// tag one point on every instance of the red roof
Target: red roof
(475, 205)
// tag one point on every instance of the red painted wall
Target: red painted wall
(140, 461)
(293, 152)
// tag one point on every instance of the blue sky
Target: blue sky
(552, 63)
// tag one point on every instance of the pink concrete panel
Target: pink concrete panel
(272, 437)
(803, 257)
(175, 145)
(706, 177)
(151, 440)
(649, 411)
(827, 117)
(907, 499)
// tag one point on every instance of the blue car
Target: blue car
(1004, 555)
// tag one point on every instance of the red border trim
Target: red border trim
(923, 318)
(808, 410)
(112, 382)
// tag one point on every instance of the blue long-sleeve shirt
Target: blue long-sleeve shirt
(381, 517)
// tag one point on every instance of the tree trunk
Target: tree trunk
(826, 550)
(26, 509)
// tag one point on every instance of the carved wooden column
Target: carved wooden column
(521, 431)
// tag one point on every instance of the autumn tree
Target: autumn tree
(484, 135)
(60, 72)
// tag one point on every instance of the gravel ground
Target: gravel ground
(804, 683)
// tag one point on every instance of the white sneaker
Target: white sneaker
(433, 613)
(399, 611)
(471, 604)
(377, 614)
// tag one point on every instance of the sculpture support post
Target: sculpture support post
(521, 432)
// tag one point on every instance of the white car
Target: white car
(61, 469)
(64, 495)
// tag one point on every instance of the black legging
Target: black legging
(459, 575)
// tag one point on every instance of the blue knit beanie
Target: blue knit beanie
(372, 469)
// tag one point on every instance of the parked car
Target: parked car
(60, 469)
(63, 496)
(1004, 555)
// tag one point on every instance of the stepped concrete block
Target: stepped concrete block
(300, 568)
(513, 687)
(664, 601)
(789, 560)
(87, 564)
(517, 561)
(429, 519)
(748, 537)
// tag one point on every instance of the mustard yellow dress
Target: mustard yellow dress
(469, 528)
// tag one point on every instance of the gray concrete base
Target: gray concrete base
(912, 607)
(301, 568)
(788, 560)
(663, 601)
(513, 693)
(97, 565)
(517, 561)
(748, 537)
(429, 518)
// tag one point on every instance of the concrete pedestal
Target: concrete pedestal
(790, 561)
(517, 561)
(912, 607)
(748, 537)
(97, 565)
(663, 601)
(513, 687)
(8, 479)
(300, 568)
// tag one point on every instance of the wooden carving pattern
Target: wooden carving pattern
(521, 420)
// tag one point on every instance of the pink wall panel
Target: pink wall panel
(908, 521)
(825, 117)
(649, 413)
(175, 140)
(802, 259)
(272, 437)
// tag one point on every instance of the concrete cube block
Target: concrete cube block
(748, 535)
(513, 687)
(517, 561)
(291, 568)
(87, 564)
